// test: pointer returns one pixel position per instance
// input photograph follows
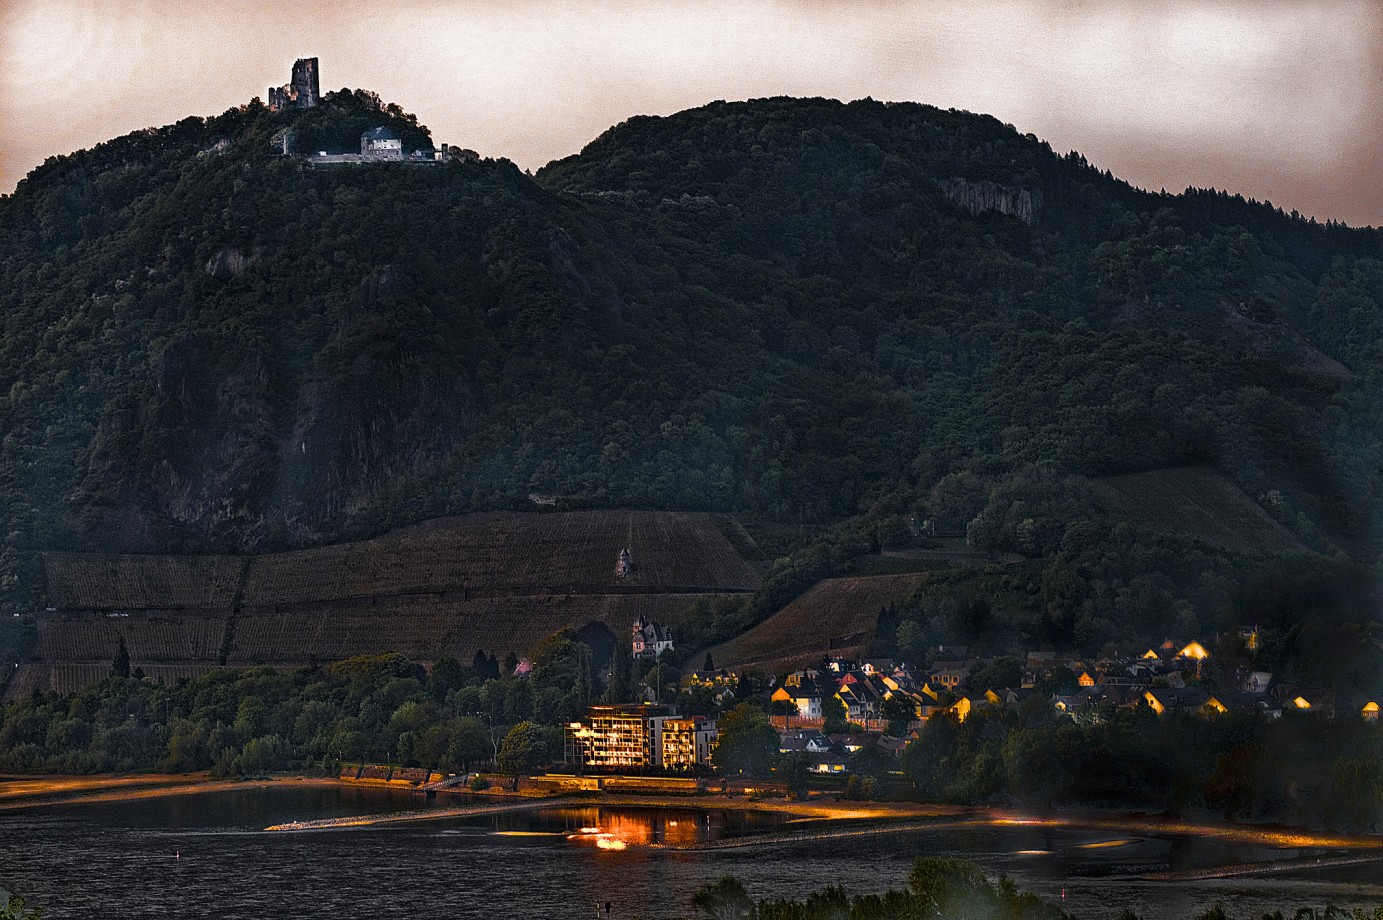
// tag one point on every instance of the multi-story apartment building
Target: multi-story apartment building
(688, 742)
(624, 737)
(639, 736)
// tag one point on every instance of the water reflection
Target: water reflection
(625, 826)
(525, 862)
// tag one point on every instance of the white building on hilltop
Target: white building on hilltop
(380, 143)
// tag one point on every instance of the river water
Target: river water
(207, 856)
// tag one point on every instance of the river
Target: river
(207, 855)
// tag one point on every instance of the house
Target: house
(624, 564)
(721, 677)
(862, 695)
(891, 746)
(965, 706)
(1367, 707)
(1257, 682)
(949, 674)
(1009, 697)
(650, 639)
(1193, 651)
(808, 741)
(1163, 700)
(380, 143)
(828, 764)
(1316, 702)
(1085, 679)
(805, 698)
(852, 743)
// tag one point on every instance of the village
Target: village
(841, 712)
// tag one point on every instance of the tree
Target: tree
(447, 675)
(709, 664)
(529, 746)
(13, 907)
(120, 667)
(796, 773)
(999, 673)
(620, 687)
(1231, 786)
(748, 742)
(724, 900)
(469, 743)
(486, 667)
(836, 716)
(950, 888)
(901, 712)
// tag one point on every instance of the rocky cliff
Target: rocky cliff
(982, 197)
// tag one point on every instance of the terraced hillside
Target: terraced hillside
(495, 581)
(837, 616)
(1198, 502)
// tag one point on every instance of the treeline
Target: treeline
(1300, 769)
(237, 722)
(952, 888)
(936, 888)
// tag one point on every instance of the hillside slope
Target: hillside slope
(497, 581)
(1197, 502)
(837, 616)
(824, 318)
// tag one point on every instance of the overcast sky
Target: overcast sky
(1277, 99)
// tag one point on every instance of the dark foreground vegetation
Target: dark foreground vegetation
(15, 907)
(1299, 770)
(949, 888)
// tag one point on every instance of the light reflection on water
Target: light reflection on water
(205, 856)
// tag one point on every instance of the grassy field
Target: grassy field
(1198, 502)
(836, 616)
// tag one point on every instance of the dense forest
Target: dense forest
(824, 318)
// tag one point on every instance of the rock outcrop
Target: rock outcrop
(982, 197)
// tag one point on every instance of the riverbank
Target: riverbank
(814, 818)
(18, 792)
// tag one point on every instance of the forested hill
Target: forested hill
(821, 317)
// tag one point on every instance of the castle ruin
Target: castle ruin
(302, 92)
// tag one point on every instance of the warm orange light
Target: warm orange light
(1194, 651)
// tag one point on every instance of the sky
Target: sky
(1275, 99)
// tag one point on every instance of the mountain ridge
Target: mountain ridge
(811, 314)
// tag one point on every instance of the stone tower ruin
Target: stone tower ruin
(302, 92)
